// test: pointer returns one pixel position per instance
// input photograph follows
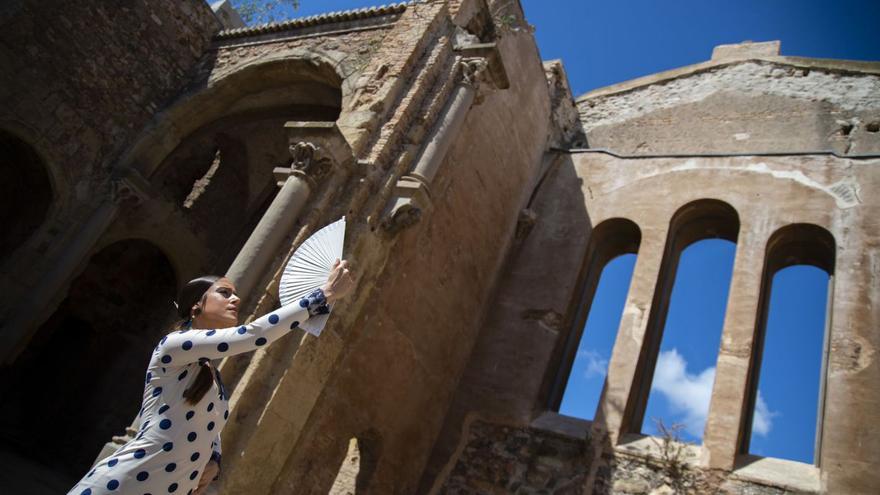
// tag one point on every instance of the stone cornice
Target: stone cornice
(357, 18)
(830, 65)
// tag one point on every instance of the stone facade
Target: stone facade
(162, 146)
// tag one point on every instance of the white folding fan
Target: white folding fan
(309, 268)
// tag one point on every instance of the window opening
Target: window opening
(608, 267)
(685, 369)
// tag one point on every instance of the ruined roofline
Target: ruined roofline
(826, 64)
(315, 20)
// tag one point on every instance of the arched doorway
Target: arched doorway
(80, 380)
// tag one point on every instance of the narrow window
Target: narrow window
(785, 407)
(609, 264)
(676, 370)
(685, 369)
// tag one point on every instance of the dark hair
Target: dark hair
(191, 293)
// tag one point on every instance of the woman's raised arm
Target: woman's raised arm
(188, 346)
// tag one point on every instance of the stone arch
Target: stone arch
(80, 379)
(27, 191)
(695, 221)
(248, 87)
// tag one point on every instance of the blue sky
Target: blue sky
(603, 43)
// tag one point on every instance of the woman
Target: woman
(177, 448)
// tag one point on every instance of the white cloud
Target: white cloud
(763, 419)
(689, 394)
(596, 364)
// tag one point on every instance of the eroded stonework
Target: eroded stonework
(143, 145)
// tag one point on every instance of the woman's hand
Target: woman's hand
(339, 283)
(212, 469)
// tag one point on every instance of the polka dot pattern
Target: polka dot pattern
(152, 462)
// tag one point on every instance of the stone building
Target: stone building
(145, 143)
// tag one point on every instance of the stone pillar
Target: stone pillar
(309, 166)
(610, 422)
(616, 403)
(481, 66)
(126, 188)
(721, 440)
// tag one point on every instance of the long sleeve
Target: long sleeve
(188, 346)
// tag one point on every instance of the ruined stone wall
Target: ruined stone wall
(400, 353)
(497, 458)
(82, 78)
(750, 106)
(515, 360)
(79, 80)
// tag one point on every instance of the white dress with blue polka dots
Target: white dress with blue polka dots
(176, 439)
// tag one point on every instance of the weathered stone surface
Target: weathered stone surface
(506, 459)
(160, 140)
(744, 106)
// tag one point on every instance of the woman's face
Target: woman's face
(219, 307)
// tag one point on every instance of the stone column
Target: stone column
(126, 188)
(721, 440)
(615, 402)
(309, 166)
(481, 67)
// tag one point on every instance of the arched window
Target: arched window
(25, 192)
(676, 371)
(785, 402)
(611, 256)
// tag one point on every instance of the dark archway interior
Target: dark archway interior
(25, 192)
(80, 380)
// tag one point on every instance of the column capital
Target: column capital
(316, 150)
(481, 66)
